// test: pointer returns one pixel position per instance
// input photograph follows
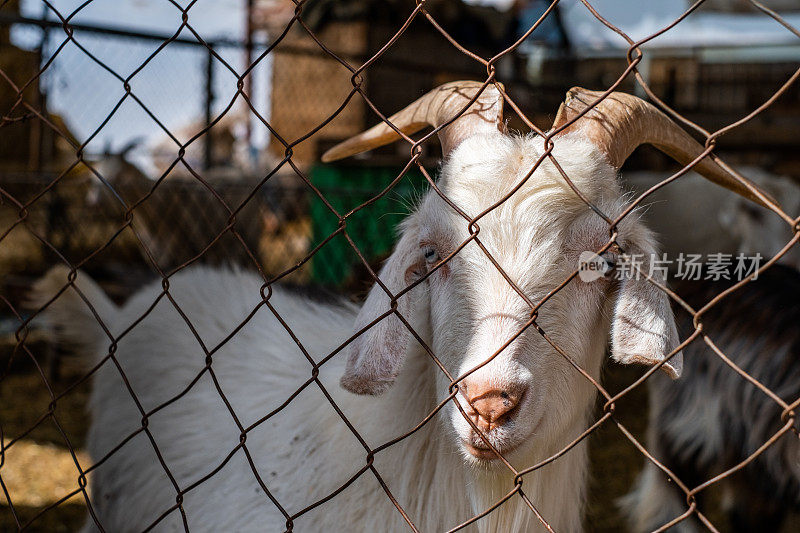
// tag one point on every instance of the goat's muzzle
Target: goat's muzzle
(491, 406)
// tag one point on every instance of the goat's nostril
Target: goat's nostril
(492, 405)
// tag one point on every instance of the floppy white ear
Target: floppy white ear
(376, 356)
(643, 328)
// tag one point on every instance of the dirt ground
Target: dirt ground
(38, 470)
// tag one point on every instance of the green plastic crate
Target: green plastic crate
(373, 228)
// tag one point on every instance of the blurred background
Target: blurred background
(141, 138)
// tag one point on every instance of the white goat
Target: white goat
(526, 401)
(691, 215)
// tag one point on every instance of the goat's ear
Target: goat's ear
(643, 329)
(376, 355)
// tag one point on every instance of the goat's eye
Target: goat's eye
(610, 259)
(431, 254)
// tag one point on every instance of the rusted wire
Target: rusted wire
(24, 110)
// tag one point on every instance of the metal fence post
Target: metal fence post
(208, 102)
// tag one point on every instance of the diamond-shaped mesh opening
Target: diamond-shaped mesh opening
(167, 159)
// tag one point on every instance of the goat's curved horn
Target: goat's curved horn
(622, 122)
(433, 109)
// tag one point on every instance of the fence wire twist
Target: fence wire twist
(24, 109)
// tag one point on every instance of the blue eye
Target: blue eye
(431, 255)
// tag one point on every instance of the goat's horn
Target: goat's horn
(433, 109)
(622, 122)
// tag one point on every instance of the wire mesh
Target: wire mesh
(165, 226)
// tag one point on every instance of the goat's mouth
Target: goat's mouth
(477, 448)
(506, 441)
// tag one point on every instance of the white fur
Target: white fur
(463, 312)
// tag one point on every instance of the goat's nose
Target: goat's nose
(491, 404)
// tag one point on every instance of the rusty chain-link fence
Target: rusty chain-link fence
(266, 227)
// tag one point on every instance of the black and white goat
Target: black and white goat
(713, 419)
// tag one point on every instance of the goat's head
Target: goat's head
(758, 229)
(121, 177)
(477, 316)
